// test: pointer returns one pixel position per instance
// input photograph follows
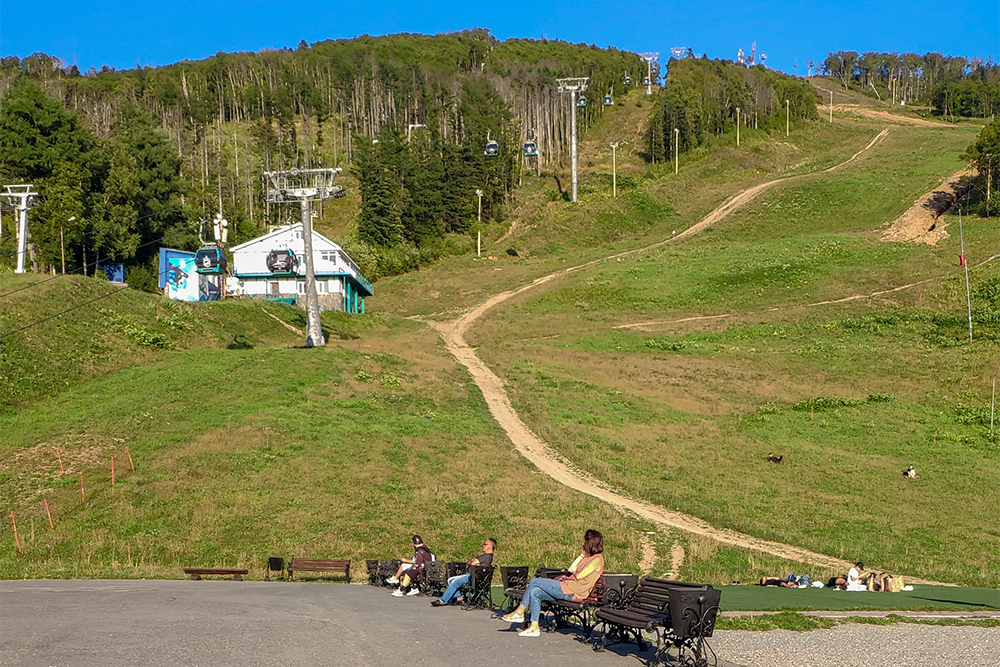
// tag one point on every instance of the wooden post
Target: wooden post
(112, 471)
(83, 497)
(131, 465)
(49, 514)
(62, 249)
(61, 469)
(17, 542)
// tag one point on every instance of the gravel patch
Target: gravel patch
(860, 645)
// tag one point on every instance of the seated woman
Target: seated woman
(586, 570)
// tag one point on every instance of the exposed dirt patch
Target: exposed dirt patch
(886, 116)
(922, 222)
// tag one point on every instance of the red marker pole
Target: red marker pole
(61, 469)
(49, 513)
(17, 542)
(83, 498)
(131, 465)
(112, 471)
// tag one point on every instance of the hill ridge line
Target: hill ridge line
(550, 462)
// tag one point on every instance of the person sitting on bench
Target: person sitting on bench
(456, 582)
(585, 571)
(410, 569)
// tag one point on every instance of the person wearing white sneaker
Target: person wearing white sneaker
(411, 569)
(586, 570)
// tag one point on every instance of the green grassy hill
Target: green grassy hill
(669, 374)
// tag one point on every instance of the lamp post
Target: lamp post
(479, 227)
(614, 169)
(677, 148)
(786, 119)
(989, 177)
(831, 106)
(737, 126)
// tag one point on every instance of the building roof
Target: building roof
(275, 237)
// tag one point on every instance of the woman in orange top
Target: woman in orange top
(586, 570)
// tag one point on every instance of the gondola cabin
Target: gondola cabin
(645, 80)
(210, 261)
(492, 149)
(581, 102)
(282, 262)
(609, 101)
(530, 149)
(628, 81)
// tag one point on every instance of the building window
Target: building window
(300, 286)
(321, 286)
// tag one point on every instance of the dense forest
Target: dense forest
(952, 85)
(701, 98)
(136, 157)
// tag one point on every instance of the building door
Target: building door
(273, 289)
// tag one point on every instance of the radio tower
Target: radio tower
(305, 186)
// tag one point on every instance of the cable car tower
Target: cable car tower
(25, 194)
(650, 58)
(573, 86)
(305, 186)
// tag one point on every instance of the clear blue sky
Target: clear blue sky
(120, 34)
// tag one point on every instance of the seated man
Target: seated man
(854, 581)
(456, 582)
(411, 569)
(911, 473)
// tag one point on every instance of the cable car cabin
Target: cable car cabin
(628, 81)
(530, 149)
(581, 102)
(645, 80)
(492, 149)
(282, 263)
(608, 101)
(210, 261)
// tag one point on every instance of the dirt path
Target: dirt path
(558, 468)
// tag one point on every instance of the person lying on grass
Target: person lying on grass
(584, 574)
(456, 582)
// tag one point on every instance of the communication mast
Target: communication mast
(650, 58)
(573, 86)
(305, 186)
(24, 194)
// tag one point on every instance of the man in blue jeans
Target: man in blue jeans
(456, 582)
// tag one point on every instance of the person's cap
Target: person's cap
(417, 540)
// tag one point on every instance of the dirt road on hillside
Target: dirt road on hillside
(555, 466)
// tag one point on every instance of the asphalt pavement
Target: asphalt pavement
(77, 623)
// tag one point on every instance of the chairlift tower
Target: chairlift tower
(305, 186)
(24, 194)
(573, 86)
(650, 58)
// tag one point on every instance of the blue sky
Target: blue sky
(121, 34)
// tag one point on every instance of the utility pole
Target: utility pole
(24, 194)
(786, 119)
(479, 226)
(650, 58)
(737, 127)
(305, 186)
(62, 244)
(831, 106)
(677, 148)
(614, 170)
(573, 86)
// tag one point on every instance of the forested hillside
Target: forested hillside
(138, 156)
(702, 97)
(952, 85)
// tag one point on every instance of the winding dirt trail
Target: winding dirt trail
(558, 468)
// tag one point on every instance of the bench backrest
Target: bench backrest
(435, 572)
(617, 589)
(453, 568)
(481, 577)
(319, 562)
(514, 577)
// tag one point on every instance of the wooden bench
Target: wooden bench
(613, 590)
(324, 565)
(680, 614)
(199, 572)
